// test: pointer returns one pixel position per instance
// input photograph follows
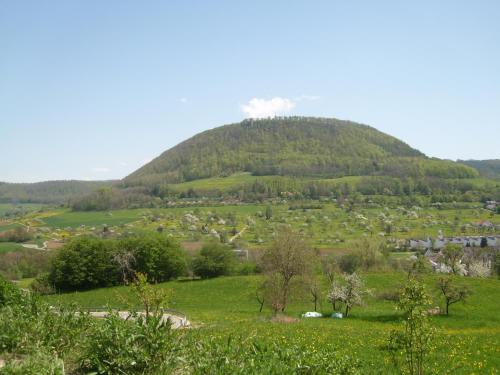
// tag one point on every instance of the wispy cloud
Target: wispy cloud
(261, 108)
(183, 100)
(100, 169)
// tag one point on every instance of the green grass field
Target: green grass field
(75, 219)
(224, 184)
(6, 247)
(468, 341)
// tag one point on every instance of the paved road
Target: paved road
(175, 320)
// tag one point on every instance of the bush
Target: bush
(84, 263)
(25, 263)
(155, 255)
(91, 262)
(9, 293)
(349, 263)
(139, 346)
(41, 285)
(28, 326)
(215, 259)
(19, 234)
(246, 268)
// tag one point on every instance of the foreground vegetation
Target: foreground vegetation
(233, 337)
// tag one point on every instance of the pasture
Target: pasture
(467, 341)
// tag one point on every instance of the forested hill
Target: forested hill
(487, 168)
(48, 191)
(293, 146)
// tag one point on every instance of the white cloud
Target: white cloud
(183, 100)
(100, 169)
(123, 164)
(261, 108)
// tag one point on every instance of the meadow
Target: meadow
(6, 247)
(327, 225)
(467, 341)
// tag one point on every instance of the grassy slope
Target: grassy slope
(467, 340)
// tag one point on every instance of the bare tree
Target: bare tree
(330, 267)
(314, 288)
(452, 293)
(288, 258)
(125, 260)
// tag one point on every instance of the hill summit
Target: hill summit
(292, 146)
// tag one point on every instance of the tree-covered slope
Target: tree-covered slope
(48, 191)
(294, 146)
(487, 168)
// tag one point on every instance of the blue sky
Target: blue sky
(94, 89)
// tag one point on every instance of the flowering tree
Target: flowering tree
(336, 294)
(353, 291)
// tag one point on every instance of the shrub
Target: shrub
(155, 255)
(136, 346)
(246, 268)
(28, 326)
(215, 259)
(84, 263)
(9, 293)
(19, 234)
(24, 263)
(41, 285)
(252, 357)
(349, 263)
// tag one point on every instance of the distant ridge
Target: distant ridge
(487, 168)
(292, 146)
(48, 191)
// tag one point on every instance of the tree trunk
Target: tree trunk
(346, 310)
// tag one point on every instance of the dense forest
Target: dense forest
(293, 146)
(486, 168)
(56, 192)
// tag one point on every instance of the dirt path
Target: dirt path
(238, 234)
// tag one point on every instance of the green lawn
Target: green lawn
(468, 340)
